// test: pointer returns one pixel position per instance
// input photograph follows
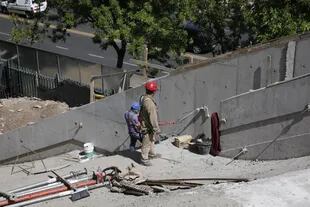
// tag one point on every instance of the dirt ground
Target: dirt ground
(272, 183)
(18, 112)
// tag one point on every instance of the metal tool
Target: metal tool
(243, 151)
(53, 196)
(78, 193)
(200, 179)
(7, 196)
(44, 183)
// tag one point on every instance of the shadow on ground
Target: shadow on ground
(135, 156)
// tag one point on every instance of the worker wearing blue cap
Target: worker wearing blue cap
(133, 124)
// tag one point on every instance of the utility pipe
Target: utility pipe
(58, 195)
(49, 181)
(47, 192)
(50, 186)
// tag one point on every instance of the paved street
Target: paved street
(78, 44)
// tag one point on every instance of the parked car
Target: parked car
(24, 7)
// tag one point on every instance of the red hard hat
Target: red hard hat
(151, 86)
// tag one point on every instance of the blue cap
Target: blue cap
(135, 106)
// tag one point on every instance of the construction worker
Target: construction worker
(149, 123)
(133, 124)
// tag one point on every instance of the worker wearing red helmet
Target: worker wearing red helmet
(149, 123)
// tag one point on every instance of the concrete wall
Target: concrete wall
(203, 84)
(272, 114)
(302, 60)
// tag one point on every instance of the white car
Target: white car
(26, 7)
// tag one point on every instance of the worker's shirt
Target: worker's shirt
(148, 114)
(132, 123)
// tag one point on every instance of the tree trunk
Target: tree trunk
(120, 58)
(120, 52)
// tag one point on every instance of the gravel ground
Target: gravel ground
(18, 112)
(273, 183)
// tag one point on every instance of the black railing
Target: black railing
(18, 81)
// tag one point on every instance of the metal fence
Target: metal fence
(18, 81)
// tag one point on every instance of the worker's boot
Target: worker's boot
(132, 149)
(154, 156)
(146, 162)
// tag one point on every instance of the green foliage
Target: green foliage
(155, 24)
(133, 24)
(272, 19)
(27, 31)
(222, 21)
(225, 20)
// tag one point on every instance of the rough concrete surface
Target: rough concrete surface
(273, 183)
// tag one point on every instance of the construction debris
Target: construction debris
(19, 112)
(182, 141)
(77, 185)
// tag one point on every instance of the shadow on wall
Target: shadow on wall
(69, 92)
(299, 116)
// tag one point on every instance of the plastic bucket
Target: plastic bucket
(88, 148)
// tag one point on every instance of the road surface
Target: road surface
(78, 44)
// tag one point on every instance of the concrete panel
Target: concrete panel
(259, 134)
(256, 70)
(290, 60)
(250, 123)
(302, 58)
(282, 148)
(276, 100)
(179, 90)
(212, 85)
(31, 138)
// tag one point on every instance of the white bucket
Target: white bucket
(88, 147)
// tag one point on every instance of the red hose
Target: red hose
(47, 192)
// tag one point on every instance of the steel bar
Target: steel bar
(38, 200)
(64, 181)
(200, 179)
(47, 192)
(176, 183)
(51, 180)
(47, 187)
(50, 197)
(49, 170)
(242, 151)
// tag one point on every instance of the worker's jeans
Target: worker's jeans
(133, 141)
(148, 146)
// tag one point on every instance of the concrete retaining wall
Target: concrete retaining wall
(272, 114)
(302, 60)
(203, 84)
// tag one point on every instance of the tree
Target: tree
(222, 21)
(272, 19)
(225, 21)
(125, 25)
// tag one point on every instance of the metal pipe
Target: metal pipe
(38, 200)
(52, 180)
(50, 186)
(198, 179)
(47, 192)
(58, 195)
(243, 151)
